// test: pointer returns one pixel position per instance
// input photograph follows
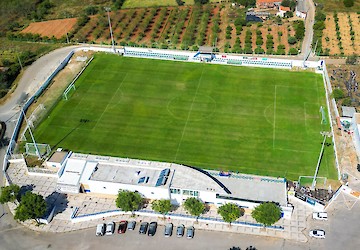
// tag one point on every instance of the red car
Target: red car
(122, 226)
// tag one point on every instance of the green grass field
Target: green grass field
(251, 120)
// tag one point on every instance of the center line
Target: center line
(187, 120)
(274, 119)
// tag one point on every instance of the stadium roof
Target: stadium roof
(254, 187)
(348, 111)
(58, 156)
(206, 49)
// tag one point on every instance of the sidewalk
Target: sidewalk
(89, 204)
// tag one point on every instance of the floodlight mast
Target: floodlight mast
(111, 32)
(31, 134)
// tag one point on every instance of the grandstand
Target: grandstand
(205, 54)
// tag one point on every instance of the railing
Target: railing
(171, 215)
(328, 91)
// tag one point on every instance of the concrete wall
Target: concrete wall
(113, 188)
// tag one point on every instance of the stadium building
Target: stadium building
(93, 174)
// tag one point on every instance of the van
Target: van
(320, 216)
(100, 229)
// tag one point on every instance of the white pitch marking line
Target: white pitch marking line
(188, 117)
(107, 105)
(274, 119)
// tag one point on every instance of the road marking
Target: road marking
(188, 117)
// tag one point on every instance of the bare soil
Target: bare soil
(345, 33)
(57, 28)
(330, 32)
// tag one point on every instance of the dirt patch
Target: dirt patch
(345, 34)
(356, 27)
(57, 28)
(330, 41)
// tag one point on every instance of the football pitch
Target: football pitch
(242, 119)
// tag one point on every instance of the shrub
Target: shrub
(292, 40)
(348, 3)
(293, 51)
(338, 94)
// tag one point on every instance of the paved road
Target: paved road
(31, 80)
(309, 22)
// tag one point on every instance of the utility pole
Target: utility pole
(19, 61)
(111, 33)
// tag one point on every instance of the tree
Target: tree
(161, 206)
(201, 1)
(32, 206)
(128, 201)
(289, 14)
(352, 59)
(292, 40)
(230, 212)
(194, 206)
(338, 94)
(9, 193)
(348, 3)
(300, 30)
(267, 213)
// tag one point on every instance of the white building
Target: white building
(301, 10)
(356, 132)
(158, 180)
(57, 159)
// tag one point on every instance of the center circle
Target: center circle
(186, 107)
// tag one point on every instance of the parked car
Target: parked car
(168, 229)
(317, 233)
(122, 227)
(190, 232)
(152, 228)
(110, 228)
(180, 230)
(100, 229)
(143, 228)
(131, 225)
(320, 216)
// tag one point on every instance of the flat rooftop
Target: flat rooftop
(254, 187)
(72, 172)
(58, 156)
(129, 174)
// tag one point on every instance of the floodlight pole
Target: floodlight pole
(31, 134)
(318, 163)
(111, 32)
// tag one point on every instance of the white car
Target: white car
(317, 233)
(110, 228)
(320, 216)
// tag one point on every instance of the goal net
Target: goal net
(44, 149)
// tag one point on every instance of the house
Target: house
(283, 10)
(264, 4)
(301, 10)
(253, 18)
(256, 16)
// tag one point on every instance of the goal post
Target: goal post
(68, 89)
(43, 149)
(323, 116)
